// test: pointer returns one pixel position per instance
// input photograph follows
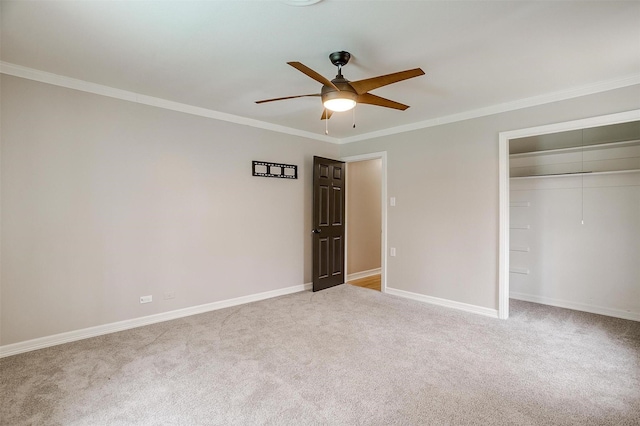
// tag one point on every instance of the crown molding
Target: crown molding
(99, 89)
(577, 92)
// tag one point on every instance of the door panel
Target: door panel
(323, 208)
(328, 223)
(337, 256)
(338, 208)
(323, 258)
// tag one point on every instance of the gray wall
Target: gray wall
(104, 201)
(445, 180)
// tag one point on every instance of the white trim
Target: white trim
(583, 148)
(562, 95)
(99, 89)
(617, 313)
(444, 302)
(568, 175)
(383, 206)
(363, 274)
(85, 333)
(85, 86)
(503, 229)
(503, 172)
(583, 123)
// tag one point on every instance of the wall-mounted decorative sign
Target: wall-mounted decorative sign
(276, 170)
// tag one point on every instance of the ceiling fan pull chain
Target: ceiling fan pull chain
(354, 117)
(326, 122)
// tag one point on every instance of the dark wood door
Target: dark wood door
(328, 222)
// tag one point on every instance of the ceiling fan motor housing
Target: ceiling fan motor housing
(346, 91)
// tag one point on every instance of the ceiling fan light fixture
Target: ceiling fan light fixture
(339, 105)
(339, 101)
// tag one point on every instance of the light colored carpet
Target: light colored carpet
(344, 356)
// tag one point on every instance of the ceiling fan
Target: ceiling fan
(341, 94)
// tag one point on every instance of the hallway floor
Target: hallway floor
(373, 282)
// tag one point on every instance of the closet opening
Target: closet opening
(570, 216)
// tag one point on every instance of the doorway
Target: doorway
(504, 187)
(365, 228)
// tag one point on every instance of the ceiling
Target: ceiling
(225, 55)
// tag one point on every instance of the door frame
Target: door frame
(503, 172)
(383, 212)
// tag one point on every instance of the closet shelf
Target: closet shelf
(613, 172)
(576, 149)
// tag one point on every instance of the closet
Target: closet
(575, 219)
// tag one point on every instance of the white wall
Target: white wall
(445, 180)
(104, 201)
(364, 219)
(593, 267)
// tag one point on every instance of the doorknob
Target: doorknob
(316, 231)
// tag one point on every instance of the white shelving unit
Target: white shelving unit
(609, 157)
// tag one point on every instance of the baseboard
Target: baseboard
(85, 333)
(493, 313)
(363, 274)
(576, 306)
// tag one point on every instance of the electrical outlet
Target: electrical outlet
(146, 299)
(169, 295)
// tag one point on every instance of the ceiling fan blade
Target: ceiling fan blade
(363, 86)
(326, 114)
(311, 73)
(370, 99)
(286, 97)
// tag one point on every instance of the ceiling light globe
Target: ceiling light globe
(339, 104)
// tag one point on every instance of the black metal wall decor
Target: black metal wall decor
(275, 170)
